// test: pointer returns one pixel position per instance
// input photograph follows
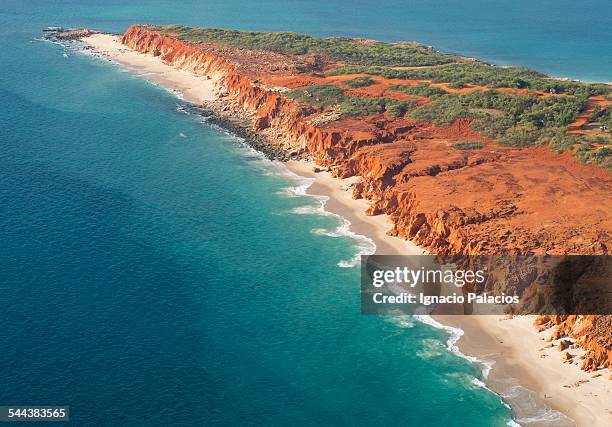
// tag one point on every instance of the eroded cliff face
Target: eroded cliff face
(490, 201)
(592, 333)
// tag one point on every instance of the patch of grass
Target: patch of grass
(468, 145)
(359, 82)
(341, 49)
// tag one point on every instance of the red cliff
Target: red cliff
(490, 201)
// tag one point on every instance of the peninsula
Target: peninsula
(459, 156)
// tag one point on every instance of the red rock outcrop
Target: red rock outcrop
(490, 201)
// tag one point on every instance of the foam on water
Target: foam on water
(455, 335)
(530, 411)
(522, 399)
(365, 245)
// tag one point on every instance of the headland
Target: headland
(454, 155)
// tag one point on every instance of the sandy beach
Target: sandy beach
(192, 88)
(520, 353)
(524, 359)
(342, 203)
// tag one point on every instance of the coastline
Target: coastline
(540, 390)
(340, 202)
(513, 344)
(528, 370)
(194, 89)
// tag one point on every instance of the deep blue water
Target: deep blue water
(155, 272)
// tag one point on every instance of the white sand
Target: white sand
(195, 89)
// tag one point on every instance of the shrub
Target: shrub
(602, 156)
(468, 145)
(443, 110)
(422, 89)
(557, 139)
(359, 82)
(325, 96)
(602, 115)
(520, 136)
(596, 114)
(399, 108)
(493, 126)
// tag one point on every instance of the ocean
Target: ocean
(156, 271)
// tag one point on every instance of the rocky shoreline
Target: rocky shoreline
(219, 114)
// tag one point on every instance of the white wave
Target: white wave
(479, 383)
(403, 321)
(181, 108)
(451, 344)
(308, 210)
(365, 245)
(532, 411)
(547, 416)
(299, 190)
(538, 413)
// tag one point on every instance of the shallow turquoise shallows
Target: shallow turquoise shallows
(154, 271)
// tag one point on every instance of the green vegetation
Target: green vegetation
(589, 154)
(443, 111)
(523, 116)
(359, 82)
(422, 89)
(468, 145)
(602, 116)
(523, 135)
(340, 49)
(558, 139)
(326, 96)
(474, 73)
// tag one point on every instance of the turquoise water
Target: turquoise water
(155, 271)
